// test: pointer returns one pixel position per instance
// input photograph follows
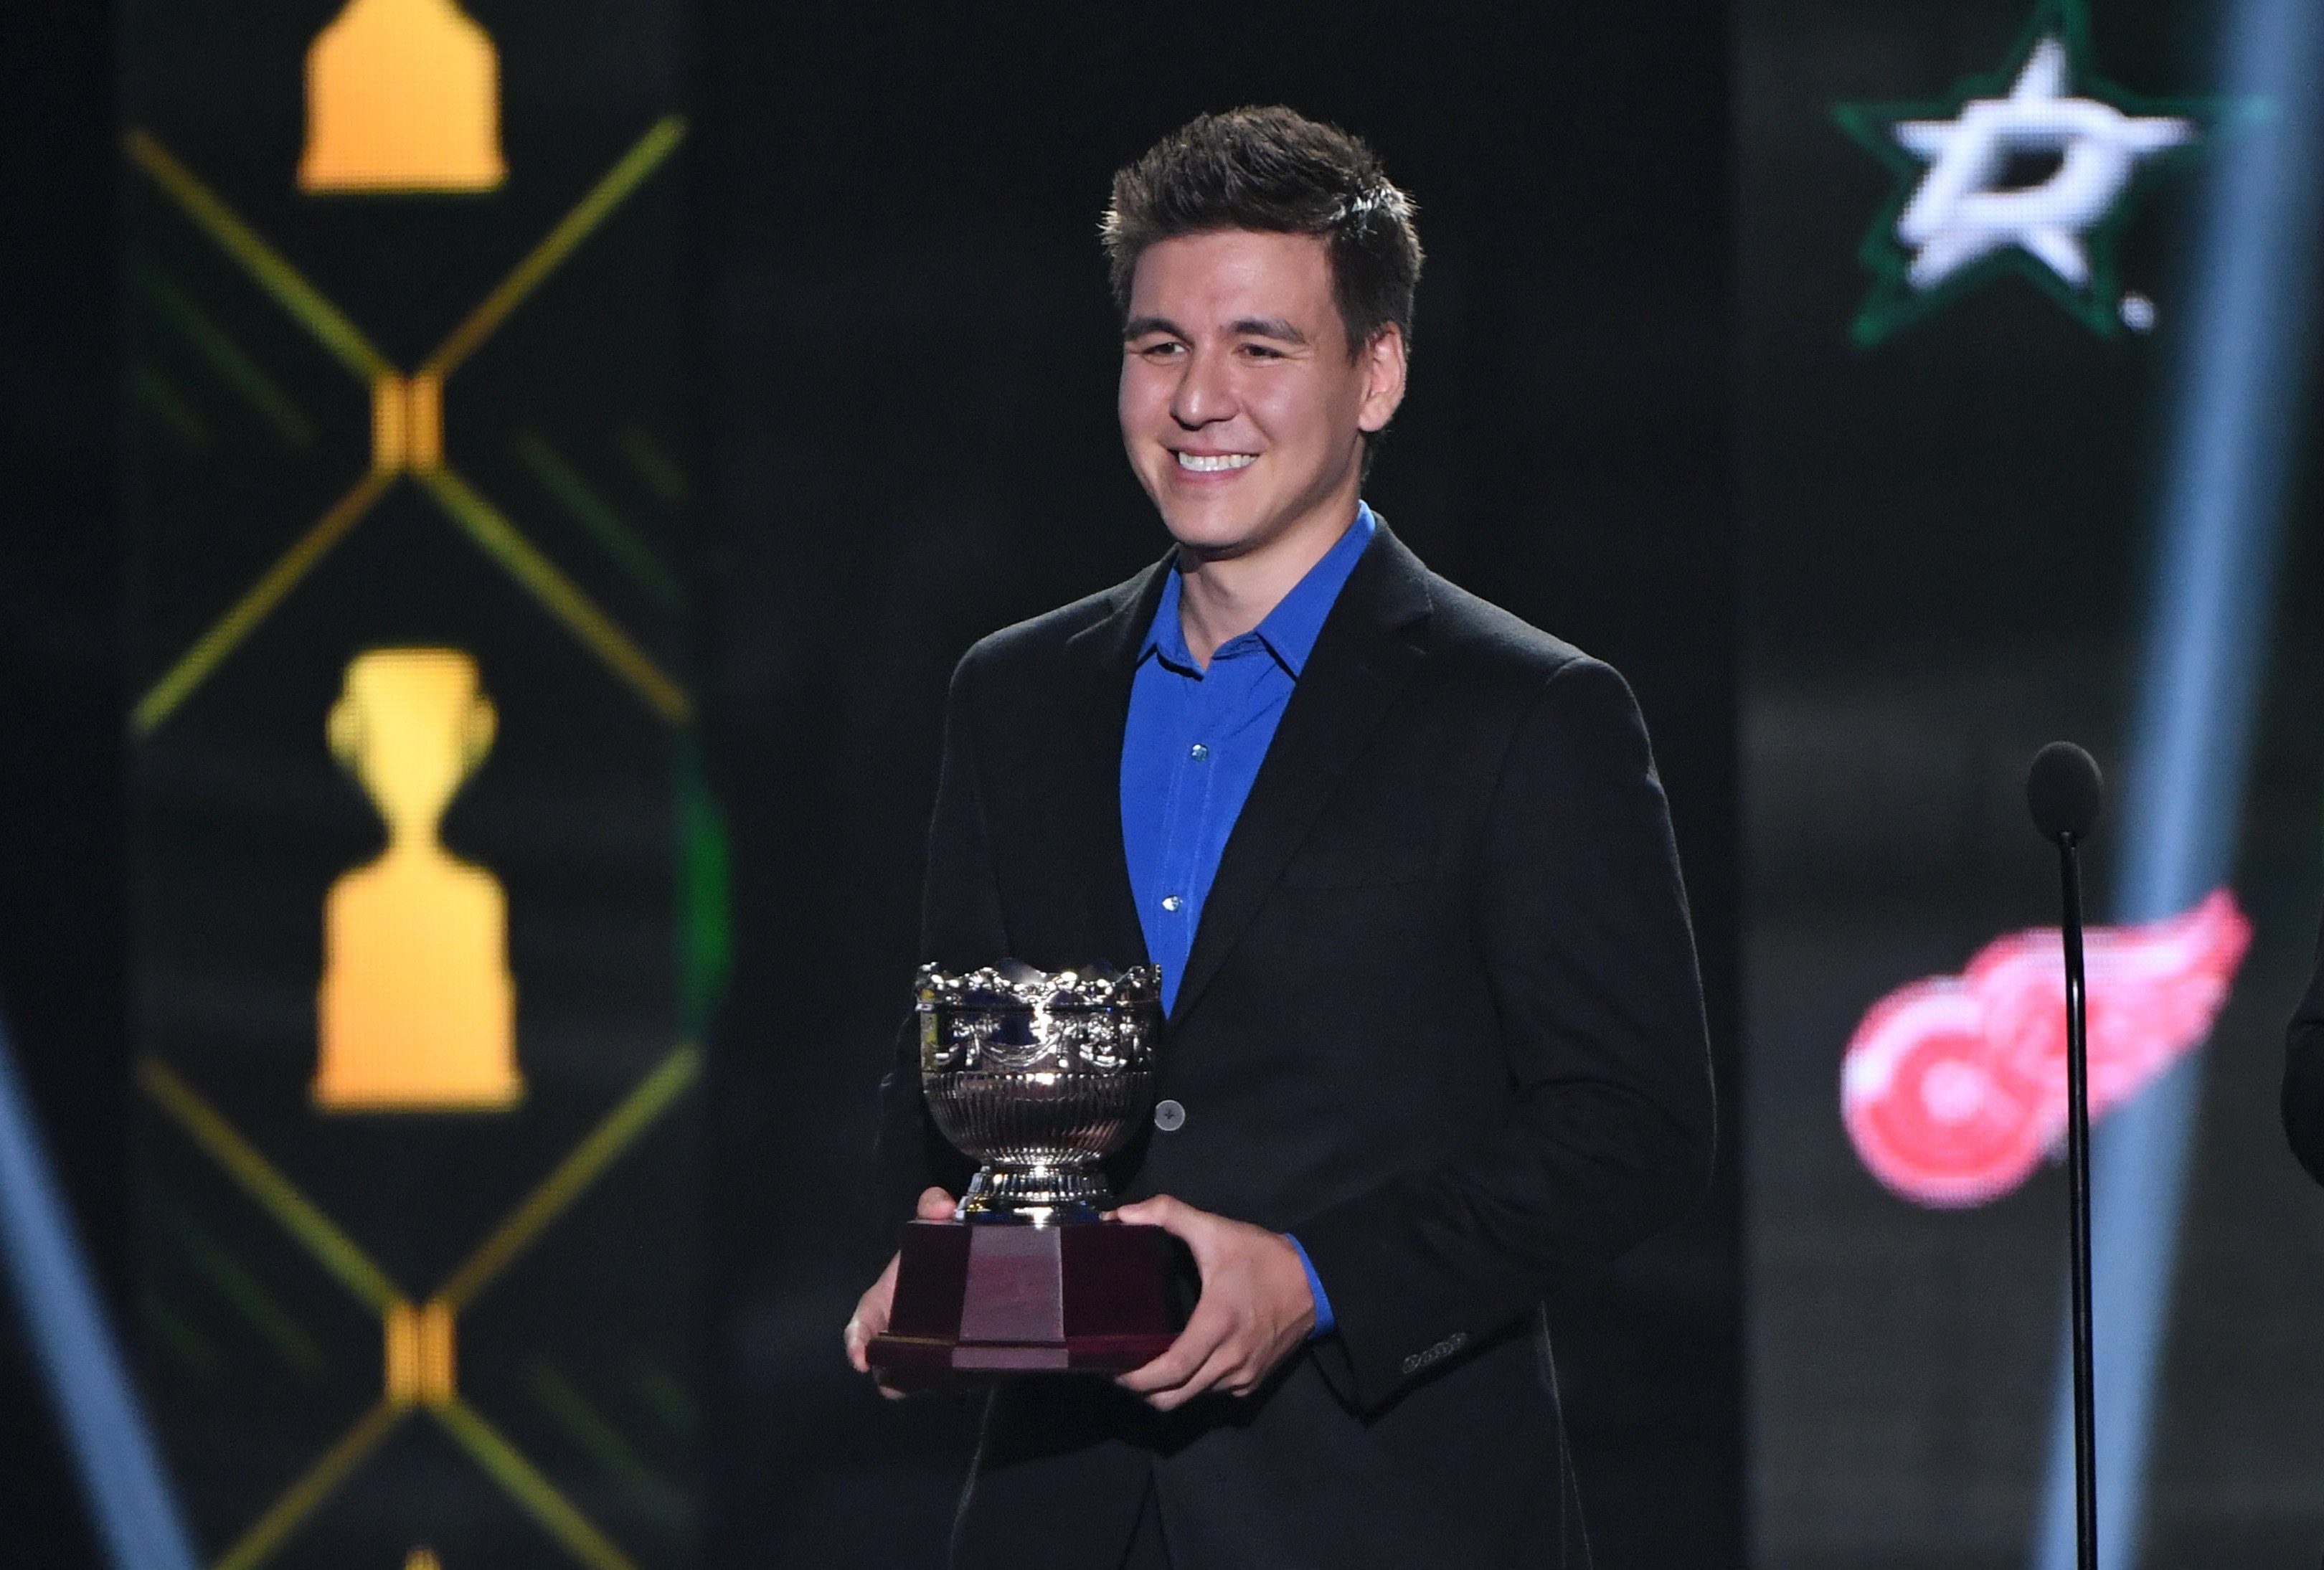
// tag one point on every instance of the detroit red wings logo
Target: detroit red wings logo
(1953, 1087)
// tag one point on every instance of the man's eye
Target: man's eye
(1161, 350)
(1262, 352)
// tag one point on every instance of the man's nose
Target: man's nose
(1205, 393)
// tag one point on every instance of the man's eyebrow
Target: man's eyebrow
(1269, 327)
(1251, 327)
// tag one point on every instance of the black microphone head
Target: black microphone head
(2063, 790)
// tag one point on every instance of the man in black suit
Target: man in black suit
(1435, 1041)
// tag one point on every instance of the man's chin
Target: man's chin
(1213, 531)
(1207, 543)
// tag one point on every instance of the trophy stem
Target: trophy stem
(1070, 1187)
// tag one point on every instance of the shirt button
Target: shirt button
(1169, 1116)
(1198, 752)
(1171, 902)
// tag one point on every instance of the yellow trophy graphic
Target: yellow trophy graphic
(418, 1010)
(403, 95)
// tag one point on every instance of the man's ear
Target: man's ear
(1384, 363)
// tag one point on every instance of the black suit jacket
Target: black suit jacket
(1440, 1020)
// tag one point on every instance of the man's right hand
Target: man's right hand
(872, 1310)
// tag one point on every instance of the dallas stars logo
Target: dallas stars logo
(2016, 173)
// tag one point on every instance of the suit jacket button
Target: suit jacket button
(1169, 1116)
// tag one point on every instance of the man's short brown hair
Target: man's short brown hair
(1275, 171)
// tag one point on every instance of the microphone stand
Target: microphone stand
(2078, 1181)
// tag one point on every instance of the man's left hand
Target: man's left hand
(1254, 1311)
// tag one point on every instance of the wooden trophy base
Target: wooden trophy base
(975, 1300)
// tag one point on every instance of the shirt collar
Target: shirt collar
(1290, 629)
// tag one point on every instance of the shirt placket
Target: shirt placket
(1184, 817)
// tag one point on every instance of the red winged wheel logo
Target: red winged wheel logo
(1953, 1087)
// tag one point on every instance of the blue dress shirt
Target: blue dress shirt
(1193, 744)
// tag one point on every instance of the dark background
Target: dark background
(63, 572)
(909, 430)
(906, 360)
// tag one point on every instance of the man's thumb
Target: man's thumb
(1160, 1211)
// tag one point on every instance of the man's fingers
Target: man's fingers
(858, 1338)
(1199, 1230)
(1217, 1348)
(1185, 1357)
(870, 1317)
(1255, 1305)
(1169, 1214)
(879, 1300)
(1245, 1377)
(1206, 1378)
(872, 1310)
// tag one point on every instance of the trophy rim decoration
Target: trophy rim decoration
(1038, 1077)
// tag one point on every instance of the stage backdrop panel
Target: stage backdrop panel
(426, 920)
(2019, 461)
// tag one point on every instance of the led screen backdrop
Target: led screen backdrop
(2027, 316)
(420, 962)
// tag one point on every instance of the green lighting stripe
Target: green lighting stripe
(596, 516)
(318, 1482)
(241, 1290)
(194, 666)
(165, 403)
(234, 367)
(274, 1193)
(174, 1330)
(706, 948)
(593, 209)
(595, 1434)
(526, 1485)
(557, 594)
(289, 288)
(660, 471)
(637, 1113)
(664, 1396)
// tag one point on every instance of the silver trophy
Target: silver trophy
(1038, 1077)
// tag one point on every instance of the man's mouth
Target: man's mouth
(1215, 463)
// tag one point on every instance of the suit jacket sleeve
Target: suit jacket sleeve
(961, 926)
(2303, 1076)
(1581, 923)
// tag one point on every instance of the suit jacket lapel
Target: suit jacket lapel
(1363, 655)
(1104, 657)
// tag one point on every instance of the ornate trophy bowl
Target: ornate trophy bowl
(1038, 1077)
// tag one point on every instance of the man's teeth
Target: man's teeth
(1211, 466)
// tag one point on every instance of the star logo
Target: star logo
(2028, 172)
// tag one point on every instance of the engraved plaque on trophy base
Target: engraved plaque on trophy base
(975, 1300)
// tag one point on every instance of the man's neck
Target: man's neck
(1221, 597)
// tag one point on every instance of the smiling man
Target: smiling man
(1435, 1041)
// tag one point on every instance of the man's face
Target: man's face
(1241, 406)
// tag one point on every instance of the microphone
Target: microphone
(2063, 791)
